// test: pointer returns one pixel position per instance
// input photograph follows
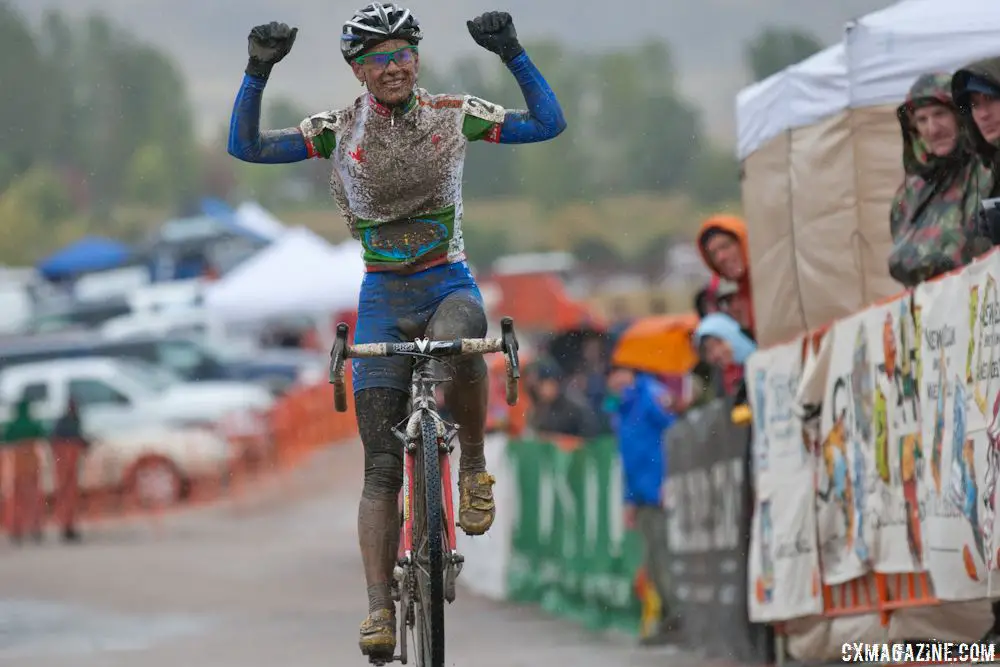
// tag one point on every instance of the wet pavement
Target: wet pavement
(272, 579)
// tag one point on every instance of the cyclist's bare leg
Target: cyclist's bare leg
(461, 315)
(378, 411)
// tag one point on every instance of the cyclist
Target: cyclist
(397, 155)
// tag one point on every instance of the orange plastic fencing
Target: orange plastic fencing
(301, 423)
(31, 496)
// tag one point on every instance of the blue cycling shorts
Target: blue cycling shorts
(386, 298)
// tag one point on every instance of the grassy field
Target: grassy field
(627, 223)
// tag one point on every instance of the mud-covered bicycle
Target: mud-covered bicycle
(429, 562)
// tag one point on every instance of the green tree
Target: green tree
(27, 111)
(31, 209)
(715, 177)
(484, 245)
(774, 49)
(86, 98)
(148, 176)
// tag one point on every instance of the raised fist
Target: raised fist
(494, 31)
(267, 44)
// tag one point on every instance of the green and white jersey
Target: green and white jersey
(397, 176)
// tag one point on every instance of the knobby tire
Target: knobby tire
(430, 616)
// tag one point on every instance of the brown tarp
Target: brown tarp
(816, 200)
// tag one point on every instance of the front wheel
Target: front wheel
(429, 526)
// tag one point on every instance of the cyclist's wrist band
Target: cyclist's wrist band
(510, 52)
(258, 69)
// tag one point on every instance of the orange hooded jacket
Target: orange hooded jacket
(735, 226)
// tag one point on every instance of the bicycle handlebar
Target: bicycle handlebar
(422, 347)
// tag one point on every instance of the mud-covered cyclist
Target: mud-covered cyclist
(397, 155)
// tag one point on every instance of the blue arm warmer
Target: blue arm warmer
(248, 143)
(544, 117)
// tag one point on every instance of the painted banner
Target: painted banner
(783, 566)
(898, 445)
(949, 489)
(784, 554)
(772, 378)
(974, 480)
(845, 469)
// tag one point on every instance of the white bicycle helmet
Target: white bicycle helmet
(376, 23)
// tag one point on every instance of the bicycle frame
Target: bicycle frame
(414, 432)
(422, 400)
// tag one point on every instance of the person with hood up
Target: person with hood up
(557, 409)
(934, 219)
(21, 437)
(68, 445)
(642, 410)
(976, 91)
(724, 247)
(721, 342)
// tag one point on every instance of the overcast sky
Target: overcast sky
(208, 39)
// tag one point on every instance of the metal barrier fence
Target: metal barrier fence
(710, 506)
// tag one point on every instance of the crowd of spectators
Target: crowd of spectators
(939, 223)
(577, 390)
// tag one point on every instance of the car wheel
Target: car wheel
(154, 481)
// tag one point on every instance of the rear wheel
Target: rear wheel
(429, 539)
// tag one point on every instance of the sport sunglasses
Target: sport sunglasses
(381, 59)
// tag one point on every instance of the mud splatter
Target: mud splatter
(413, 162)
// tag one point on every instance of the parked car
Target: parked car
(189, 358)
(156, 463)
(64, 315)
(153, 433)
(122, 394)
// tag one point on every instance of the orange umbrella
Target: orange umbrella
(660, 344)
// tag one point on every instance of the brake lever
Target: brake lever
(338, 355)
(510, 346)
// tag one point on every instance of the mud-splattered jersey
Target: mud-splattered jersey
(397, 177)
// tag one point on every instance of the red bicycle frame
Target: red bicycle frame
(409, 465)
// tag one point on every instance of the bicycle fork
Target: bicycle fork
(404, 578)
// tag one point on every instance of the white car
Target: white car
(146, 424)
(155, 463)
(114, 393)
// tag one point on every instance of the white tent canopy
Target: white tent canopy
(798, 96)
(882, 55)
(887, 50)
(300, 273)
(255, 218)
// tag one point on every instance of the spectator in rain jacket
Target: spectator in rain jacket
(934, 216)
(557, 409)
(20, 437)
(643, 410)
(725, 250)
(721, 342)
(976, 90)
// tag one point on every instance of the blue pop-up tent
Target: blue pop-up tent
(91, 253)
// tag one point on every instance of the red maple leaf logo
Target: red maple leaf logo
(358, 154)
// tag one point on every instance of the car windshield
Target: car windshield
(156, 379)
